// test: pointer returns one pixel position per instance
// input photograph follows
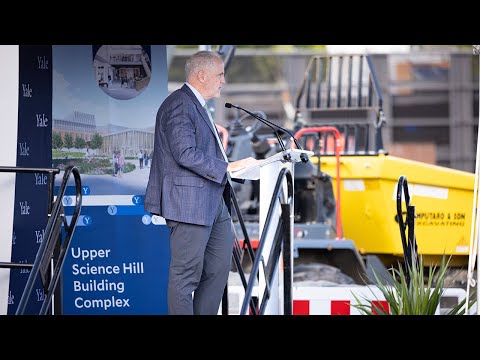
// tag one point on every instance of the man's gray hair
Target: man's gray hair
(199, 61)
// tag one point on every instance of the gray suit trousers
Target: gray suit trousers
(199, 264)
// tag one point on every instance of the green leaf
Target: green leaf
(421, 296)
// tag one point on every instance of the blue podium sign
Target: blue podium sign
(111, 269)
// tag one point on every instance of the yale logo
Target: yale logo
(87, 220)
(42, 120)
(40, 179)
(137, 199)
(24, 208)
(40, 294)
(39, 234)
(27, 92)
(42, 62)
(146, 219)
(24, 149)
(10, 298)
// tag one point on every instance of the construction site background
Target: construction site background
(430, 97)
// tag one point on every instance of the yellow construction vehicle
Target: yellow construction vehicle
(349, 151)
(442, 198)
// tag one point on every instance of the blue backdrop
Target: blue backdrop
(33, 150)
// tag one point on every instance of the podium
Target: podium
(267, 171)
(254, 172)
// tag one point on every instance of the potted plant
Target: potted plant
(410, 292)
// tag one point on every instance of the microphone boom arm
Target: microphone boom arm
(286, 156)
(273, 126)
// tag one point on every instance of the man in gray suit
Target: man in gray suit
(188, 179)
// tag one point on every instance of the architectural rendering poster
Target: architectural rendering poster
(105, 99)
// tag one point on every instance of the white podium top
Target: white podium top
(253, 172)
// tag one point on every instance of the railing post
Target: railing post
(284, 232)
(287, 261)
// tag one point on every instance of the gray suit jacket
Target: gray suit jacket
(188, 172)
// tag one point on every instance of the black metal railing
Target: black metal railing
(238, 251)
(47, 265)
(51, 183)
(330, 85)
(282, 239)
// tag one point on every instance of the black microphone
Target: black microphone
(286, 156)
(273, 126)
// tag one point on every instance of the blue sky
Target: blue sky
(75, 88)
